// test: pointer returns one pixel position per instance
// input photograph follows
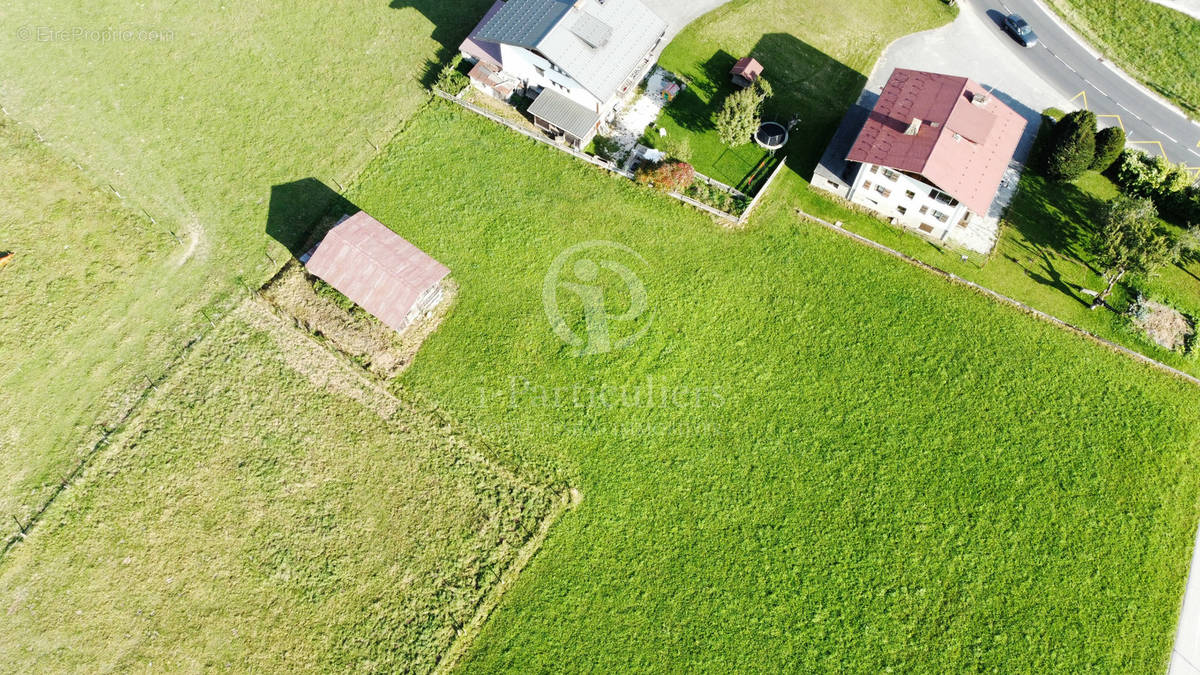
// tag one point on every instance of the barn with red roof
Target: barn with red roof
(378, 270)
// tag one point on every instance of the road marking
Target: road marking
(1158, 143)
(1084, 95)
(1167, 137)
(1120, 122)
(1060, 60)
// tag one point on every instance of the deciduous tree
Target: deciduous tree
(1129, 240)
(741, 114)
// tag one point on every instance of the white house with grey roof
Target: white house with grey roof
(575, 58)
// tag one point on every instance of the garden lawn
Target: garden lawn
(816, 457)
(815, 54)
(194, 129)
(1157, 45)
(270, 510)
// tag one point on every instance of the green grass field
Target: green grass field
(1042, 259)
(814, 54)
(211, 131)
(271, 509)
(815, 458)
(80, 324)
(867, 467)
(1157, 45)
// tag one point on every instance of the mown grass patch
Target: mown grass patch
(79, 316)
(846, 461)
(270, 509)
(1157, 45)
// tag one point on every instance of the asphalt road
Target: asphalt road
(1066, 63)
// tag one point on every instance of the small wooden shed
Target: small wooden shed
(746, 71)
(378, 270)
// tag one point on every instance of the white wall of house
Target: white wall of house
(911, 202)
(536, 71)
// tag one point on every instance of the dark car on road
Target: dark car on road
(1020, 30)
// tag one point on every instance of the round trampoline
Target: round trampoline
(771, 135)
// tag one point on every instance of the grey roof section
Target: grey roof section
(833, 163)
(564, 113)
(633, 30)
(524, 22)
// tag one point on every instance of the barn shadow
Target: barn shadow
(297, 207)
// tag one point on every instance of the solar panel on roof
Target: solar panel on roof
(592, 30)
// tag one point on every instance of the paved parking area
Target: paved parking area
(974, 47)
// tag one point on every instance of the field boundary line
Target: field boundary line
(119, 425)
(1001, 298)
(466, 637)
(259, 312)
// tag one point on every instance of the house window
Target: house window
(866, 185)
(927, 229)
(883, 191)
(924, 210)
(540, 71)
(891, 175)
(943, 197)
(910, 194)
(901, 210)
(874, 168)
(941, 217)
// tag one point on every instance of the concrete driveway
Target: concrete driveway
(972, 47)
(679, 13)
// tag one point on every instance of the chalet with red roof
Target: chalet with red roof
(931, 156)
(378, 270)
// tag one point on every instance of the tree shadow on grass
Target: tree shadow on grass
(690, 112)
(809, 86)
(1049, 275)
(297, 207)
(1055, 215)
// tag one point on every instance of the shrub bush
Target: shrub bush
(1167, 185)
(607, 148)
(1109, 144)
(452, 80)
(1072, 146)
(713, 196)
(677, 147)
(668, 176)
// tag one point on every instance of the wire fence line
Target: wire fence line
(109, 431)
(610, 166)
(1000, 297)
